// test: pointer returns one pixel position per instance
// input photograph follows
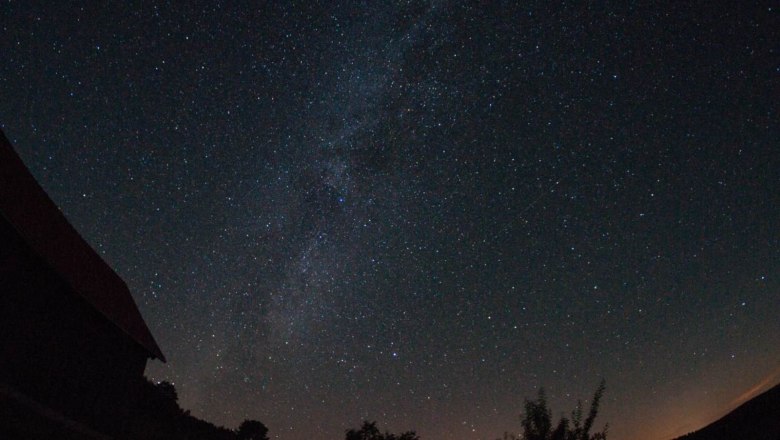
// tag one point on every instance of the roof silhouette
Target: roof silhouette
(35, 217)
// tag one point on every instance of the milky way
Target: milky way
(420, 213)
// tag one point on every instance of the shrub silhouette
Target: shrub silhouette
(252, 430)
(157, 416)
(537, 420)
(369, 431)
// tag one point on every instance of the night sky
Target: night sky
(420, 213)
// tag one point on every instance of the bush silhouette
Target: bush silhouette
(369, 431)
(252, 430)
(537, 420)
(157, 415)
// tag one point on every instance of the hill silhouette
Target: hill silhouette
(756, 419)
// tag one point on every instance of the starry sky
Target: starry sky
(421, 212)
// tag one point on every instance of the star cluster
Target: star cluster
(419, 213)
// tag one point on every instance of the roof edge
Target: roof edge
(47, 231)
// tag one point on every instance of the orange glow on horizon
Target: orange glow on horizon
(755, 390)
(697, 420)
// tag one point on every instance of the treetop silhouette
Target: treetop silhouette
(369, 431)
(537, 420)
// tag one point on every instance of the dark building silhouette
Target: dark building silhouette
(73, 345)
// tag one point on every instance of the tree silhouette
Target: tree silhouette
(252, 430)
(167, 391)
(156, 415)
(537, 420)
(369, 431)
